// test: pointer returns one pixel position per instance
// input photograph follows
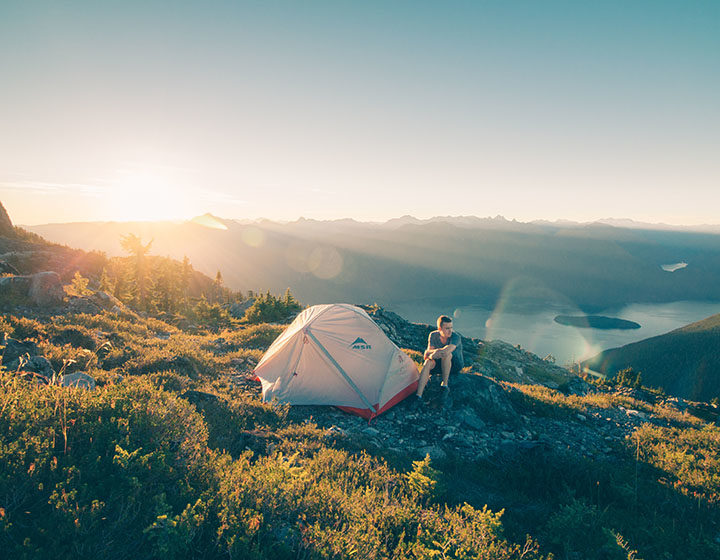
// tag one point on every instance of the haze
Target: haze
(369, 110)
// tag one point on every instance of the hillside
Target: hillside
(129, 434)
(591, 266)
(684, 362)
(173, 453)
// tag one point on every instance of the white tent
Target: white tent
(336, 355)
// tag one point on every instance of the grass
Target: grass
(177, 459)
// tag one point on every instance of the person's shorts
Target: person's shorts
(455, 367)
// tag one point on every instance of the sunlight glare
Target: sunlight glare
(142, 196)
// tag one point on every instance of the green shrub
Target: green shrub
(268, 308)
(259, 336)
(99, 468)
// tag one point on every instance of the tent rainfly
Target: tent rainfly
(336, 355)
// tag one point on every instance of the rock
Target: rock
(83, 305)
(414, 335)
(485, 397)
(36, 364)
(369, 431)
(43, 289)
(78, 379)
(467, 417)
(436, 452)
(46, 289)
(15, 348)
(577, 386)
(237, 310)
(96, 303)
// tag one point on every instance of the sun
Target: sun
(145, 196)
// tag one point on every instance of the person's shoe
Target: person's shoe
(416, 403)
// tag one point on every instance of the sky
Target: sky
(147, 110)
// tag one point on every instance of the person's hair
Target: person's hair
(443, 319)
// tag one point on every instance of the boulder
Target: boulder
(95, 303)
(237, 310)
(78, 379)
(83, 305)
(46, 289)
(487, 400)
(43, 289)
(15, 348)
(36, 364)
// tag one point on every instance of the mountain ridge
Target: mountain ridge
(684, 362)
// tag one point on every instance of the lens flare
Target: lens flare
(325, 262)
(208, 221)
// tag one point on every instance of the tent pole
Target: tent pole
(340, 370)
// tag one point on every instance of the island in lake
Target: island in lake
(596, 322)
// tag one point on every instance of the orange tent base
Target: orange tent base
(369, 415)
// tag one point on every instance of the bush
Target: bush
(110, 470)
(270, 309)
(259, 336)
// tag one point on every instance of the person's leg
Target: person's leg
(424, 376)
(446, 364)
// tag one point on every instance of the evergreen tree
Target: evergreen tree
(218, 286)
(270, 309)
(107, 284)
(78, 285)
(167, 293)
(133, 245)
(212, 316)
(185, 282)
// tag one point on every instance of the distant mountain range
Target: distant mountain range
(459, 260)
(684, 362)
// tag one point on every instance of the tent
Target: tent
(335, 354)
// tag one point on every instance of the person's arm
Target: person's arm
(430, 348)
(434, 353)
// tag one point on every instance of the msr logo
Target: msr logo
(360, 344)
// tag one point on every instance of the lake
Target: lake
(538, 332)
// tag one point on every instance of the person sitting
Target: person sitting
(444, 355)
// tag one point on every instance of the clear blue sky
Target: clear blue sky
(530, 109)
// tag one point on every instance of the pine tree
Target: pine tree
(79, 285)
(107, 285)
(218, 286)
(133, 245)
(185, 282)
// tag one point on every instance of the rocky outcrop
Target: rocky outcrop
(42, 289)
(6, 226)
(494, 358)
(96, 303)
(506, 362)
